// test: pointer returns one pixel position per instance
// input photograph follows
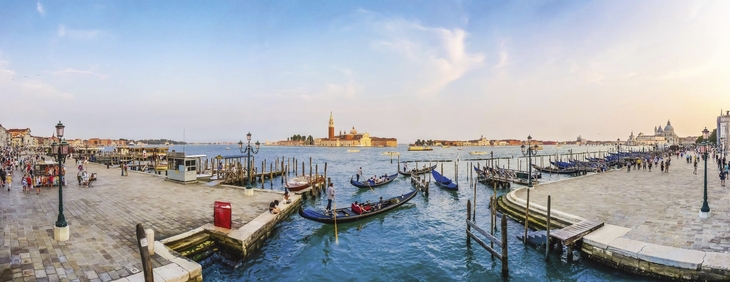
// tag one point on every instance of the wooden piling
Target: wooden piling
(505, 247)
(474, 215)
(547, 230)
(527, 215)
(468, 218)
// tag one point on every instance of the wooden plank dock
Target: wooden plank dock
(575, 232)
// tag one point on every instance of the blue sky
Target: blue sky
(404, 69)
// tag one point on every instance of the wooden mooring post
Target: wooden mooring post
(501, 243)
(527, 215)
(547, 230)
(144, 253)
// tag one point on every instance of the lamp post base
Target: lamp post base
(61, 233)
(705, 214)
(249, 192)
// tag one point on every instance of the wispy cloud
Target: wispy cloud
(503, 56)
(78, 72)
(441, 52)
(40, 9)
(78, 33)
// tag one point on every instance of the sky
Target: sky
(213, 71)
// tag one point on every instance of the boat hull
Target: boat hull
(365, 184)
(345, 215)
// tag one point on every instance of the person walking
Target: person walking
(695, 172)
(330, 197)
(723, 175)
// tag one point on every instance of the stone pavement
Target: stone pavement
(102, 221)
(659, 208)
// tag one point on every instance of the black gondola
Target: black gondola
(347, 215)
(417, 171)
(573, 171)
(367, 184)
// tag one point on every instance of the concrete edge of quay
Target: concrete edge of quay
(246, 239)
(607, 245)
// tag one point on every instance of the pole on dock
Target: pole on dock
(547, 238)
(527, 215)
(505, 260)
(494, 208)
(144, 253)
(475, 203)
(468, 218)
(316, 175)
(263, 172)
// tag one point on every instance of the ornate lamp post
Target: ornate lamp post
(60, 230)
(528, 151)
(705, 210)
(248, 150)
(618, 152)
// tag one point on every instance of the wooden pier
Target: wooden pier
(569, 235)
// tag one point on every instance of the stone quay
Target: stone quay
(652, 223)
(102, 220)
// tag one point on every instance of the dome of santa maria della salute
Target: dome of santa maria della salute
(668, 127)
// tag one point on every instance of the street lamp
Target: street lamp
(705, 210)
(528, 151)
(248, 150)
(60, 230)
(618, 152)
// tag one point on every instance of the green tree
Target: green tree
(310, 140)
(712, 139)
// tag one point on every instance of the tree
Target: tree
(310, 140)
(712, 139)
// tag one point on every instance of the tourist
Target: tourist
(650, 166)
(25, 183)
(79, 175)
(330, 197)
(723, 175)
(286, 200)
(695, 172)
(662, 166)
(274, 207)
(666, 166)
(355, 207)
(2, 177)
(10, 180)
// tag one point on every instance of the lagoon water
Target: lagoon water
(423, 240)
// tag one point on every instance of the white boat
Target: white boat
(477, 153)
(391, 153)
(227, 148)
(353, 150)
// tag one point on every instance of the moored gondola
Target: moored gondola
(369, 183)
(345, 215)
(443, 181)
(417, 171)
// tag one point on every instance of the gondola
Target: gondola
(367, 184)
(303, 182)
(443, 182)
(345, 215)
(417, 171)
(573, 171)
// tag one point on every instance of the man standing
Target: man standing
(330, 197)
(359, 173)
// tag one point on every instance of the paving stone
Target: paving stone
(102, 223)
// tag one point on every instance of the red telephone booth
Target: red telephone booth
(222, 214)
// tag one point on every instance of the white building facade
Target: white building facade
(723, 131)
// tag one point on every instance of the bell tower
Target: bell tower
(331, 134)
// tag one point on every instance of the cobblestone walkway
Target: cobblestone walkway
(102, 220)
(660, 208)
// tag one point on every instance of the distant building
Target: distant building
(723, 131)
(21, 137)
(351, 139)
(4, 136)
(660, 137)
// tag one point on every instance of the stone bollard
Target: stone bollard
(150, 240)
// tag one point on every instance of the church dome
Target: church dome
(353, 131)
(668, 127)
(659, 130)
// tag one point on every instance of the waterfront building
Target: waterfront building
(4, 136)
(723, 131)
(352, 139)
(21, 137)
(661, 136)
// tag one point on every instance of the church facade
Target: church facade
(352, 138)
(661, 136)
